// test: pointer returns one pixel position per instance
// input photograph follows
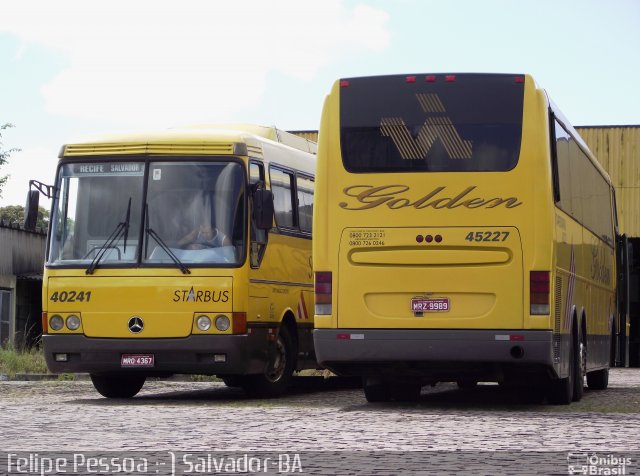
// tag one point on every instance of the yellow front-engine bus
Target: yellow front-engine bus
(463, 232)
(183, 251)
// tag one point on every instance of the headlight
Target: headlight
(203, 323)
(73, 323)
(222, 323)
(56, 322)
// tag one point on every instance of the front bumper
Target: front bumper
(437, 353)
(245, 354)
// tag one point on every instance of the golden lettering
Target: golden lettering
(368, 197)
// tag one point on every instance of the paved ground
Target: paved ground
(332, 430)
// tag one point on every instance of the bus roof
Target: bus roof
(192, 139)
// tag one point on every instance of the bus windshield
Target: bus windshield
(193, 210)
(431, 123)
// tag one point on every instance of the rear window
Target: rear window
(431, 123)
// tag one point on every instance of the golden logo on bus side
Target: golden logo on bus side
(395, 197)
(438, 127)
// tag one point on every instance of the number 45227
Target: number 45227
(487, 236)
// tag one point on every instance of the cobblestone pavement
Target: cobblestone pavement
(316, 416)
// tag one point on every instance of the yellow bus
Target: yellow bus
(463, 233)
(183, 251)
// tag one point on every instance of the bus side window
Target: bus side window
(282, 186)
(304, 187)
(258, 244)
(566, 186)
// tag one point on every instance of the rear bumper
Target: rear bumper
(245, 354)
(436, 353)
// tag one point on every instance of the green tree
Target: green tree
(4, 155)
(15, 214)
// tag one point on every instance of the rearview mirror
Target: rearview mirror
(263, 209)
(31, 210)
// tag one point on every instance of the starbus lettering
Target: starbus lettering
(398, 196)
(190, 295)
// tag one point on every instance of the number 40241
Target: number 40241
(487, 236)
(71, 296)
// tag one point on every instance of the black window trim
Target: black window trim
(292, 231)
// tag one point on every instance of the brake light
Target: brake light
(239, 323)
(45, 323)
(539, 292)
(323, 290)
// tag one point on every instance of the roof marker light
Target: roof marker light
(450, 78)
(519, 79)
(411, 79)
(344, 83)
(430, 78)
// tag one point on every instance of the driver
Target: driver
(204, 236)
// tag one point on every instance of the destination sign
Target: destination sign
(108, 169)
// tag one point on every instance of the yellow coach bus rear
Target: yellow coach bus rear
(463, 232)
(163, 257)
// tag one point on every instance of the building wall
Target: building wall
(21, 262)
(617, 148)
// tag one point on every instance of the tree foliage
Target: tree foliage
(4, 155)
(15, 214)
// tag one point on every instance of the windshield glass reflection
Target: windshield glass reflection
(193, 210)
(197, 210)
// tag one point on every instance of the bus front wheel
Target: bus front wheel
(118, 386)
(278, 372)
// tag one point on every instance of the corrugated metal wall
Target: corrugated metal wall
(21, 252)
(618, 150)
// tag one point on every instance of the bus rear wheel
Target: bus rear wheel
(560, 391)
(376, 391)
(118, 385)
(278, 372)
(599, 379)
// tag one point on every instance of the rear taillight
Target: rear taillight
(323, 288)
(540, 287)
(239, 323)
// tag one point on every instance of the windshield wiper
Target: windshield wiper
(151, 232)
(120, 228)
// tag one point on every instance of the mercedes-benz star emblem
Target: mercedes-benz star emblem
(136, 325)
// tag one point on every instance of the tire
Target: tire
(406, 392)
(598, 380)
(580, 369)
(560, 391)
(118, 386)
(377, 391)
(276, 378)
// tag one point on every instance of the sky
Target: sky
(73, 68)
